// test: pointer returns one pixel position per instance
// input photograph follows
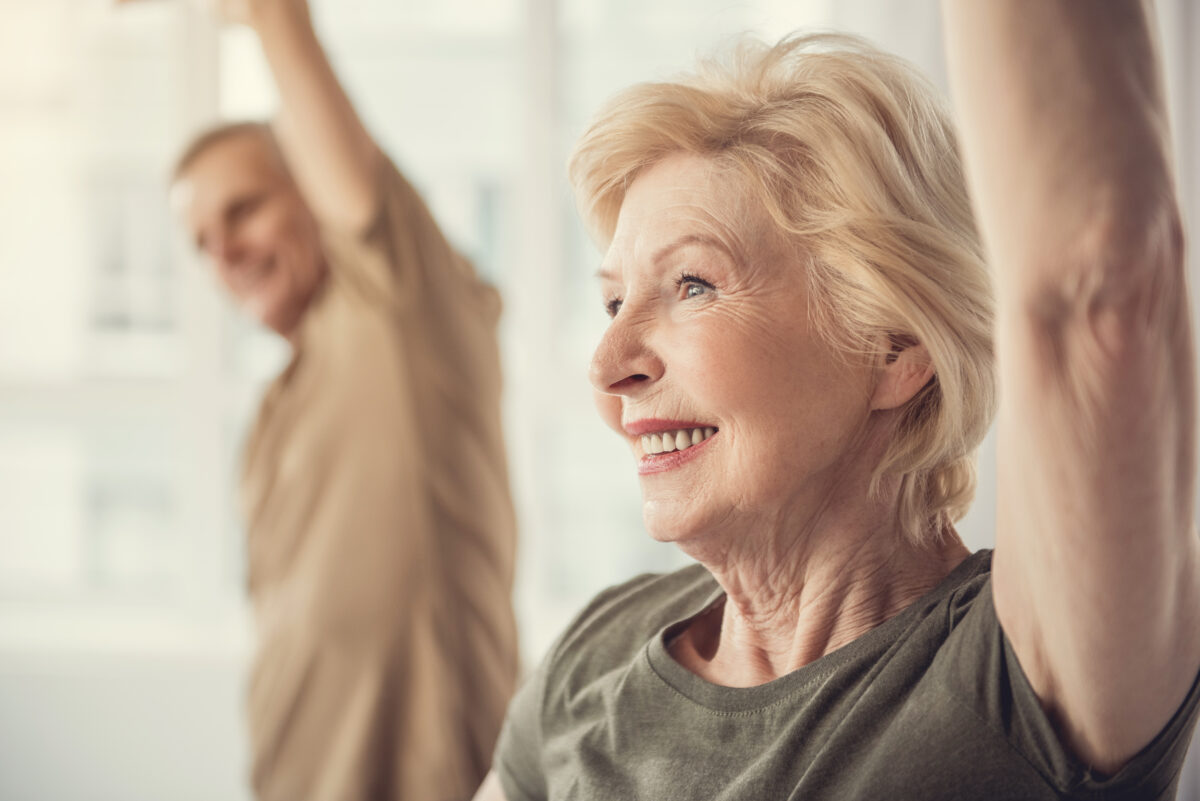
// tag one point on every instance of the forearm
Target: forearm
(1064, 134)
(328, 148)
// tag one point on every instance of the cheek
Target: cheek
(280, 284)
(726, 368)
(272, 229)
(777, 379)
(260, 232)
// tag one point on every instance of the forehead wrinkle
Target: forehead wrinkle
(749, 226)
(710, 237)
(697, 225)
(688, 240)
(724, 211)
(707, 203)
(712, 233)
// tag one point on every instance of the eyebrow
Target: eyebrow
(671, 247)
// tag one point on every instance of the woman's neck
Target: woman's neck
(791, 599)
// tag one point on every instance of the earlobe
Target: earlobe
(904, 373)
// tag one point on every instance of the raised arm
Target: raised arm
(325, 143)
(1096, 578)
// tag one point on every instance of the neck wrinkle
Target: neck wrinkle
(790, 600)
(811, 576)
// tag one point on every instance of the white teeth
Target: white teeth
(678, 440)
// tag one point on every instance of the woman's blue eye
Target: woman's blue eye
(693, 286)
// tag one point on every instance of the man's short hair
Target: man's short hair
(214, 135)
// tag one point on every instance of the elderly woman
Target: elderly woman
(800, 357)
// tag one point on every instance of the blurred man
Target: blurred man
(380, 527)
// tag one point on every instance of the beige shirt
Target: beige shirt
(380, 528)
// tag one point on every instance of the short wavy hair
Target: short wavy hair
(854, 156)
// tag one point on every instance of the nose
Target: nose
(624, 363)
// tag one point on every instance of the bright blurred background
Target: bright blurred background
(127, 383)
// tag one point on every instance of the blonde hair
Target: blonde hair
(854, 157)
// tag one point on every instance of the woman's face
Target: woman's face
(710, 333)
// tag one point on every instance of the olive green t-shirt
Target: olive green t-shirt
(929, 705)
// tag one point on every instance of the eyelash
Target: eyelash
(612, 305)
(694, 280)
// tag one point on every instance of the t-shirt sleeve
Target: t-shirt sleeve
(517, 760)
(1006, 699)
(521, 759)
(402, 253)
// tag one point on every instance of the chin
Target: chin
(668, 521)
(285, 325)
(281, 313)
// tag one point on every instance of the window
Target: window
(127, 384)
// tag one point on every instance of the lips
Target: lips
(666, 444)
(662, 462)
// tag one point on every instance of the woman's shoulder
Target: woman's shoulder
(616, 624)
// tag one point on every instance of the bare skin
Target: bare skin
(1097, 572)
(331, 153)
(709, 325)
(258, 235)
(326, 178)
(769, 626)
(777, 505)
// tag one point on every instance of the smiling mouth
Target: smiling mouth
(679, 439)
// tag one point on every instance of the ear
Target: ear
(905, 372)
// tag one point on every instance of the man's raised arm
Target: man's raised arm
(327, 147)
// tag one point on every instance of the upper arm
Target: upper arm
(1095, 574)
(491, 790)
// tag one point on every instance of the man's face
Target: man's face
(247, 217)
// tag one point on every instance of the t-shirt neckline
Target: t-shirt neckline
(747, 699)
